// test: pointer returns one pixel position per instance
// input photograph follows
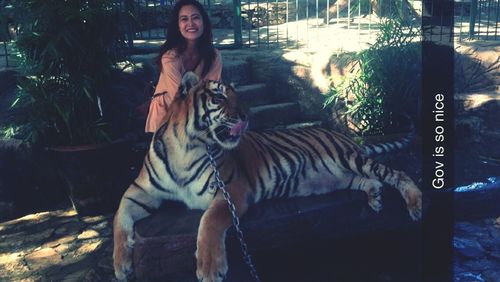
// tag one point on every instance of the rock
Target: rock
(88, 234)
(480, 265)
(69, 228)
(495, 232)
(43, 258)
(57, 242)
(468, 277)
(492, 275)
(468, 248)
(37, 238)
(75, 276)
(94, 219)
(88, 248)
(467, 228)
(12, 263)
(62, 249)
(495, 254)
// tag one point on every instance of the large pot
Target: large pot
(96, 176)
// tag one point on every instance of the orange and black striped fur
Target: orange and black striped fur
(255, 166)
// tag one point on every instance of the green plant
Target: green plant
(387, 80)
(69, 50)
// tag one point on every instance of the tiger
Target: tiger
(255, 166)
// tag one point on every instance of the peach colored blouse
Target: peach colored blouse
(169, 81)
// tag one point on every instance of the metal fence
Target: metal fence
(297, 23)
(343, 25)
(477, 19)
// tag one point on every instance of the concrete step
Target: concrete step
(235, 71)
(253, 94)
(272, 115)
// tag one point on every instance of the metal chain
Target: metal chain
(219, 184)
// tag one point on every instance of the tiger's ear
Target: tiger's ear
(189, 80)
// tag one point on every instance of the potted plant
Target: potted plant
(65, 102)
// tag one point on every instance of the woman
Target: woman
(188, 47)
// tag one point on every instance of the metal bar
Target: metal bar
(462, 5)
(307, 22)
(287, 11)
(441, 25)
(496, 22)
(277, 10)
(238, 38)
(338, 11)
(488, 20)
(472, 18)
(250, 20)
(258, 24)
(297, 23)
(317, 19)
(348, 14)
(148, 20)
(479, 19)
(359, 21)
(267, 21)
(370, 21)
(327, 12)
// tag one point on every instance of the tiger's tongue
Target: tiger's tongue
(238, 128)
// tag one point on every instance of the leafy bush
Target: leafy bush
(69, 50)
(387, 81)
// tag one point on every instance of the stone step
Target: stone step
(272, 115)
(235, 71)
(253, 94)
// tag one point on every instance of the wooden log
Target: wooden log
(166, 242)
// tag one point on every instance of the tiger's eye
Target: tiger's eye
(218, 98)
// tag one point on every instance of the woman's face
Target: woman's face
(190, 23)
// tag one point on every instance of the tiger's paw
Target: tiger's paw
(414, 203)
(122, 256)
(211, 260)
(122, 263)
(375, 196)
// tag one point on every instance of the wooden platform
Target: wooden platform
(166, 241)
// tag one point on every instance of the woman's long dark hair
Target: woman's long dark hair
(175, 40)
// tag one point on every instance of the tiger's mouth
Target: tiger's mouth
(232, 133)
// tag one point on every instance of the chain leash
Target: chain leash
(219, 184)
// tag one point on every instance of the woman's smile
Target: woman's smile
(190, 23)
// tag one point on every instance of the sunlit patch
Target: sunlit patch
(93, 219)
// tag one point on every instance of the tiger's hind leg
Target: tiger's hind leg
(135, 204)
(398, 179)
(372, 188)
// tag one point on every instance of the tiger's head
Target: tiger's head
(216, 109)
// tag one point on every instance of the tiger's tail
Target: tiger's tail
(386, 147)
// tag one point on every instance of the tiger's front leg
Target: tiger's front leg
(135, 204)
(210, 246)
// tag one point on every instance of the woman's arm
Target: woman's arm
(168, 83)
